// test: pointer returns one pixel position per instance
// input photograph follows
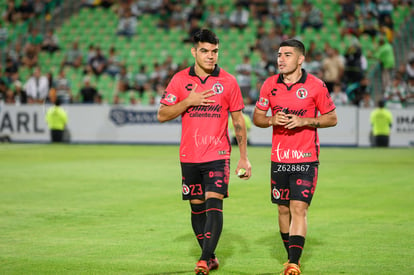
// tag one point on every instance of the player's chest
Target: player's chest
(219, 88)
(297, 99)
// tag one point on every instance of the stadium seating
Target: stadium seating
(152, 44)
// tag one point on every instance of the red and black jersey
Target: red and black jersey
(204, 134)
(305, 98)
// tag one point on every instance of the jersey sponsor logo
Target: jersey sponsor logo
(275, 193)
(286, 153)
(186, 189)
(202, 140)
(302, 93)
(263, 102)
(288, 110)
(218, 88)
(212, 111)
(171, 98)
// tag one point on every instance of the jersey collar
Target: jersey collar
(215, 72)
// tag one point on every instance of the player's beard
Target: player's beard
(288, 70)
(206, 67)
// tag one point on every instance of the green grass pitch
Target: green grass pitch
(117, 209)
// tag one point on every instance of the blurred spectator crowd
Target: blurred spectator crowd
(343, 70)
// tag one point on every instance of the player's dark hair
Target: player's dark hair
(205, 35)
(295, 44)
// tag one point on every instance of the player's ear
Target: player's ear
(193, 51)
(301, 59)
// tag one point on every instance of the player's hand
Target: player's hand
(197, 99)
(246, 167)
(293, 121)
(280, 118)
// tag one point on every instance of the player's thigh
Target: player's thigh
(280, 188)
(303, 182)
(192, 182)
(216, 176)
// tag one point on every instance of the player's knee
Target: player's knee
(298, 208)
(215, 195)
(214, 204)
(283, 210)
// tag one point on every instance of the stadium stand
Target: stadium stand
(152, 44)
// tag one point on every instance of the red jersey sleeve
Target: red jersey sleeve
(324, 101)
(263, 103)
(171, 94)
(236, 100)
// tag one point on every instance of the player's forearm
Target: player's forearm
(241, 137)
(167, 113)
(240, 132)
(324, 121)
(261, 120)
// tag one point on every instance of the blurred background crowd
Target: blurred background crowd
(125, 52)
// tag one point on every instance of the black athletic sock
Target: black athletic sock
(285, 239)
(198, 221)
(214, 226)
(296, 244)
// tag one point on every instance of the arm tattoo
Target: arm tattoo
(238, 129)
(315, 124)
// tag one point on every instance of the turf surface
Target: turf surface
(107, 209)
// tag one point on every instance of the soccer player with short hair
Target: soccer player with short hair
(204, 95)
(299, 103)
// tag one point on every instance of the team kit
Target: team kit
(293, 102)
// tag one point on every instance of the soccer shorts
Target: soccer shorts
(293, 181)
(199, 178)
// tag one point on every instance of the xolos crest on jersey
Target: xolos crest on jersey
(218, 88)
(302, 93)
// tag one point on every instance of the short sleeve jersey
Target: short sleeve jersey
(305, 98)
(204, 133)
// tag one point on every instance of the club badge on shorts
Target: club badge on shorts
(186, 190)
(218, 88)
(275, 193)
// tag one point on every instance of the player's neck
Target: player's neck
(201, 73)
(292, 77)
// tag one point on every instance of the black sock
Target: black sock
(198, 221)
(296, 244)
(214, 226)
(285, 239)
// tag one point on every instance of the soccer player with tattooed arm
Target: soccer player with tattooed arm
(299, 104)
(204, 95)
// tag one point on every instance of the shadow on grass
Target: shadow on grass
(231, 242)
(170, 273)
